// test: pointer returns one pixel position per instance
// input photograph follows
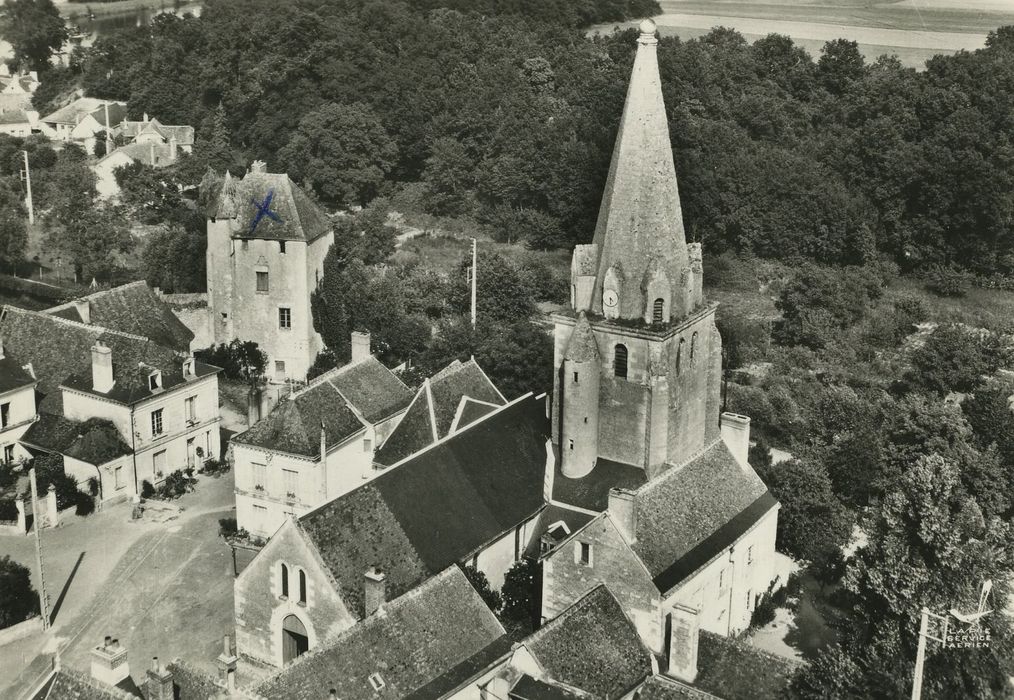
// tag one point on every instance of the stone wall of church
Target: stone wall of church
(565, 579)
(261, 605)
(693, 393)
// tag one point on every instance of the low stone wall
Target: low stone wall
(32, 625)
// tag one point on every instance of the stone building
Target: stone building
(266, 246)
(683, 519)
(318, 443)
(81, 121)
(17, 406)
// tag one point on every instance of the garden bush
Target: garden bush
(215, 467)
(147, 490)
(175, 485)
(18, 600)
(8, 511)
(947, 281)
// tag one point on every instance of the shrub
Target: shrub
(227, 527)
(763, 612)
(147, 490)
(176, 484)
(18, 600)
(522, 595)
(8, 511)
(85, 504)
(481, 585)
(215, 467)
(947, 281)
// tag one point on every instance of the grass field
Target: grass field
(915, 30)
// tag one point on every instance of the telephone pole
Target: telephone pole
(475, 272)
(37, 526)
(920, 654)
(27, 176)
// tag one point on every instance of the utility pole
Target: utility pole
(37, 526)
(27, 177)
(475, 271)
(920, 654)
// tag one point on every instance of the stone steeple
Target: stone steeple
(641, 246)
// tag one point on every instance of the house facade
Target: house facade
(683, 518)
(82, 119)
(266, 246)
(316, 444)
(17, 406)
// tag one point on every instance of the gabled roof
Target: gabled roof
(13, 375)
(153, 154)
(14, 108)
(82, 107)
(409, 642)
(132, 308)
(295, 216)
(184, 134)
(688, 514)
(95, 441)
(60, 353)
(436, 405)
(438, 507)
(735, 670)
(294, 425)
(69, 684)
(334, 400)
(592, 646)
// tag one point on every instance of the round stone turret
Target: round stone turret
(579, 384)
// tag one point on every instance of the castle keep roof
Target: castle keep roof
(438, 507)
(640, 219)
(454, 397)
(296, 217)
(411, 642)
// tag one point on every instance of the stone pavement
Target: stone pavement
(99, 570)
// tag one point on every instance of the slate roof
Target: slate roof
(592, 646)
(193, 684)
(300, 218)
(592, 490)
(550, 516)
(438, 507)
(82, 107)
(433, 409)
(184, 134)
(60, 353)
(332, 399)
(133, 308)
(685, 506)
(13, 375)
(153, 154)
(735, 670)
(470, 410)
(69, 684)
(409, 642)
(528, 688)
(663, 688)
(581, 347)
(14, 108)
(95, 441)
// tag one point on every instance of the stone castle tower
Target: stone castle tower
(266, 246)
(638, 358)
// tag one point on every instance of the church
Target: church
(629, 478)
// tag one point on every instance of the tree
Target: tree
(239, 359)
(522, 595)
(13, 229)
(449, 177)
(818, 302)
(481, 585)
(18, 600)
(840, 64)
(35, 30)
(216, 149)
(503, 294)
(342, 152)
(94, 240)
(956, 358)
(173, 259)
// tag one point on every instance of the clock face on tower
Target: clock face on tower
(609, 298)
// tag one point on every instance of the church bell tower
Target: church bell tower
(638, 358)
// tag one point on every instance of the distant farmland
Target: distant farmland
(915, 30)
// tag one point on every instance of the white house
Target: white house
(17, 406)
(82, 119)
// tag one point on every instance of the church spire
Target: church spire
(643, 262)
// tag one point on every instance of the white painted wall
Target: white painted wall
(21, 414)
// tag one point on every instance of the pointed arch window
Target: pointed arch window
(679, 355)
(693, 347)
(658, 310)
(302, 587)
(620, 361)
(285, 581)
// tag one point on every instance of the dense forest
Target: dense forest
(510, 119)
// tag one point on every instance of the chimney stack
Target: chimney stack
(684, 631)
(360, 346)
(736, 434)
(83, 310)
(109, 662)
(258, 166)
(159, 683)
(375, 590)
(2, 347)
(623, 510)
(227, 662)
(102, 368)
(172, 149)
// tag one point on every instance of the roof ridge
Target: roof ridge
(432, 411)
(78, 324)
(566, 613)
(86, 678)
(676, 468)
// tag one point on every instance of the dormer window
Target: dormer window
(188, 367)
(155, 381)
(376, 681)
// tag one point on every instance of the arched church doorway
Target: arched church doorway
(294, 639)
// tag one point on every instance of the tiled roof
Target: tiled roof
(684, 506)
(371, 388)
(550, 516)
(592, 490)
(298, 217)
(13, 375)
(735, 670)
(60, 353)
(663, 688)
(438, 507)
(581, 347)
(133, 308)
(592, 646)
(14, 108)
(470, 411)
(95, 441)
(83, 106)
(154, 154)
(184, 134)
(432, 412)
(409, 642)
(294, 424)
(193, 684)
(68, 684)
(528, 688)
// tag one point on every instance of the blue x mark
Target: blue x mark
(264, 209)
